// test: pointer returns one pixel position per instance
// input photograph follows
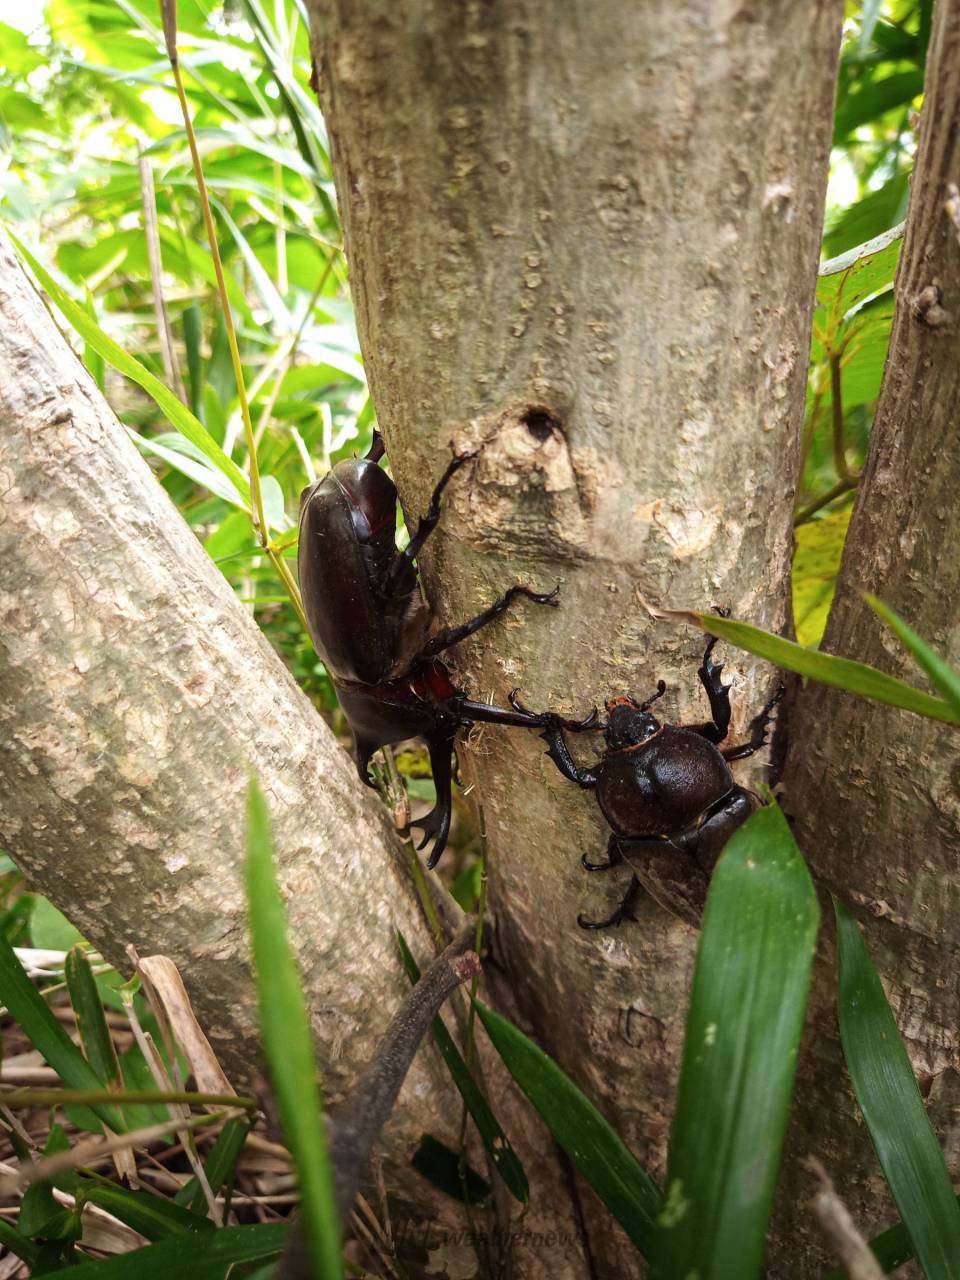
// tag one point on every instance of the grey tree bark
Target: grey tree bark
(878, 794)
(583, 239)
(136, 694)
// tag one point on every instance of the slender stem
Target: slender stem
(839, 452)
(224, 300)
(17, 1098)
(841, 487)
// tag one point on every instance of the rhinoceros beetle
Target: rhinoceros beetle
(667, 793)
(376, 634)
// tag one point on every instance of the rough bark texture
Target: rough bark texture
(876, 790)
(583, 239)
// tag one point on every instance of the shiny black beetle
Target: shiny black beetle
(376, 634)
(667, 792)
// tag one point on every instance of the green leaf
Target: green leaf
(289, 1044)
(874, 99)
(892, 1108)
(878, 211)
(816, 563)
(589, 1140)
(10, 1238)
(189, 466)
(505, 1159)
(208, 1256)
(150, 1214)
(91, 1019)
(50, 928)
(740, 1054)
(842, 673)
(846, 281)
(29, 1010)
(177, 413)
(941, 673)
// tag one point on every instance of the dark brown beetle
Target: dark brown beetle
(667, 793)
(375, 632)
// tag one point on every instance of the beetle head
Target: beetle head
(628, 724)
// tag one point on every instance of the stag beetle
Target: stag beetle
(376, 634)
(667, 792)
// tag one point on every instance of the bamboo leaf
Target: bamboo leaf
(289, 1044)
(941, 673)
(746, 1016)
(30, 1011)
(505, 1159)
(842, 673)
(176, 413)
(205, 1256)
(91, 1020)
(589, 1140)
(892, 1108)
(151, 1215)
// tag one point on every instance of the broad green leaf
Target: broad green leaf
(30, 1011)
(589, 1140)
(876, 212)
(740, 1054)
(505, 1159)
(846, 281)
(205, 1256)
(50, 928)
(875, 99)
(941, 673)
(177, 413)
(289, 1045)
(819, 546)
(842, 673)
(892, 1108)
(150, 1214)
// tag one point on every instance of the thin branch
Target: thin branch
(840, 488)
(840, 1229)
(354, 1127)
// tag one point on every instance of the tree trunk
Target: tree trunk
(583, 239)
(876, 790)
(136, 695)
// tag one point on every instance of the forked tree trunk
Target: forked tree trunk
(136, 694)
(877, 791)
(583, 240)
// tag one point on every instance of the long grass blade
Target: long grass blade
(941, 674)
(589, 1140)
(289, 1045)
(892, 1108)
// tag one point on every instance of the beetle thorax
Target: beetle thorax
(628, 724)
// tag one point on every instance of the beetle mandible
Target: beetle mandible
(667, 792)
(375, 632)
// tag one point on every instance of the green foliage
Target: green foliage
(740, 1054)
(892, 1108)
(288, 1042)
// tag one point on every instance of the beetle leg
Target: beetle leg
(622, 912)
(559, 753)
(365, 750)
(427, 523)
(436, 824)
(453, 635)
(758, 729)
(718, 695)
(614, 857)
